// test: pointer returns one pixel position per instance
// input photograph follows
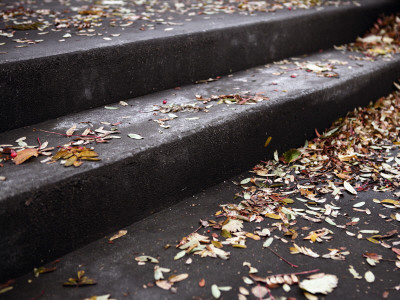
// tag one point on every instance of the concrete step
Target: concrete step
(53, 78)
(114, 268)
(49, 210)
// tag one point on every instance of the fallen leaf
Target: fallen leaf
(163, 284)
(323, 285)
(177, 278)
(259, 291)
(146, 258)
(349, 188)
(24, 155)
(135, 136)
(117, 235)
(369, 276)
(268, 242)
(215, 291)
(233, 225)
(291, 155)
(71, 131)
(354, 272)
(81, 280)
(43, 270)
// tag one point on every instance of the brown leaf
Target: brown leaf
(24, 155)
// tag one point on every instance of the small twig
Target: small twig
(63, 134)
(285, 260)
(40, 144)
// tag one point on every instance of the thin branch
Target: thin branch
(283, 259)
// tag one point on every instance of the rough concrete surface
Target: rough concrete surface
(48, 210)
(51, 79)
(117, 273)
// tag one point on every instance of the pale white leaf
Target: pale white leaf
(349, 188)
(324, 284)
(354, 272)
(135, 136)
(369, 276)
(180, 255)
(286, 288)
(247, 280)
(145, 258)
(233, 225)
(245, 181)
(268, 242)
(215, 291)
(244, 291)
(164, 284)
(359, 204)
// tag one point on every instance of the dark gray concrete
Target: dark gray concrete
(118, 274)
(52, 79)
(71, 207)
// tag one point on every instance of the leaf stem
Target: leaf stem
(283, 259)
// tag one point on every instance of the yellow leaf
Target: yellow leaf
(216, 244)
(287, 201)
(253, 236)
(267, 141)
(390, 201)
(70, 161)
(239, 246)
(273, 216)
(24, 155)
(373, 240)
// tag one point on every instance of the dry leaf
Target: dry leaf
(177, 278)
(349, 188)
(303, 250)
(369, 276)
(233, 225)
(71, 131)
(323, 284)
(259, 291)
(163, 284)
(24, 155)
(81, 280)
(117, 235)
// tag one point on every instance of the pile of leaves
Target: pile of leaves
(383, 38)
(357, 153)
